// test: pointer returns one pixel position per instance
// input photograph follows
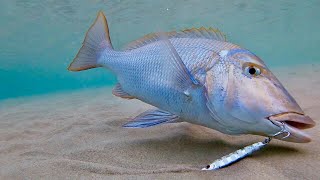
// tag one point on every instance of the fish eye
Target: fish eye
(252, 71)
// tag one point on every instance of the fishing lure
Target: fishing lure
(244, 152)
(237, 155)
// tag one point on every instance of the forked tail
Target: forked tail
(97, 39)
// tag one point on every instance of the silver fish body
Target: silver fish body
(197, 77)
(142, 75)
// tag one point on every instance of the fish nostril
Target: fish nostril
(277, 85)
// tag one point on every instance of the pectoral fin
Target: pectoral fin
(152, 118)
(178, 71)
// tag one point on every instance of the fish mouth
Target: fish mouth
(292, 123)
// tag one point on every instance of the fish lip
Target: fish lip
(294, 119)
(294, 123)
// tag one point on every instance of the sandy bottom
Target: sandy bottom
(79, 134)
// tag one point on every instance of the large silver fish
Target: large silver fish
(196, 76)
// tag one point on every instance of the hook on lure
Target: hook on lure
(282, 131)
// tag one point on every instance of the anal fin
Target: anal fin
(152, 118)
(118, 91)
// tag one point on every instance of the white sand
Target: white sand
(79, 134)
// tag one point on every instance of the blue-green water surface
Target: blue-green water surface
(39, 38)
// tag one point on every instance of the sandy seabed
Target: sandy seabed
(79, 134)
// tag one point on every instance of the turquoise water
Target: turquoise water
(39, 38)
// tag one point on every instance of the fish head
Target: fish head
(247, 98)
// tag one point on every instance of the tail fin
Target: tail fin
(97, 39)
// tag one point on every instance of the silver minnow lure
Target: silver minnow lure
(237, 155)
(196, 76)
(244, 152)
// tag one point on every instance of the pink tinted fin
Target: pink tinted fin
(152, 118)
(119, 92)
(97, 39)
(201, 33)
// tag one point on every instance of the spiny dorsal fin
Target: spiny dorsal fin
(204, 33)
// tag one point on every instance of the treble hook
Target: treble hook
(283, 130)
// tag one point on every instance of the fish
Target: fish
(196, 76)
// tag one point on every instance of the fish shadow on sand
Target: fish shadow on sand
(277, 150)
(187, 149)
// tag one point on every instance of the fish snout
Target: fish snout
(292, 124)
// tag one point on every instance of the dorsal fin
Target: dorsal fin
(204, 33)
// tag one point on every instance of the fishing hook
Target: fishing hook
(282, 131)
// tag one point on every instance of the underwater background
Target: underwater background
(39, 38)
(57, 124)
